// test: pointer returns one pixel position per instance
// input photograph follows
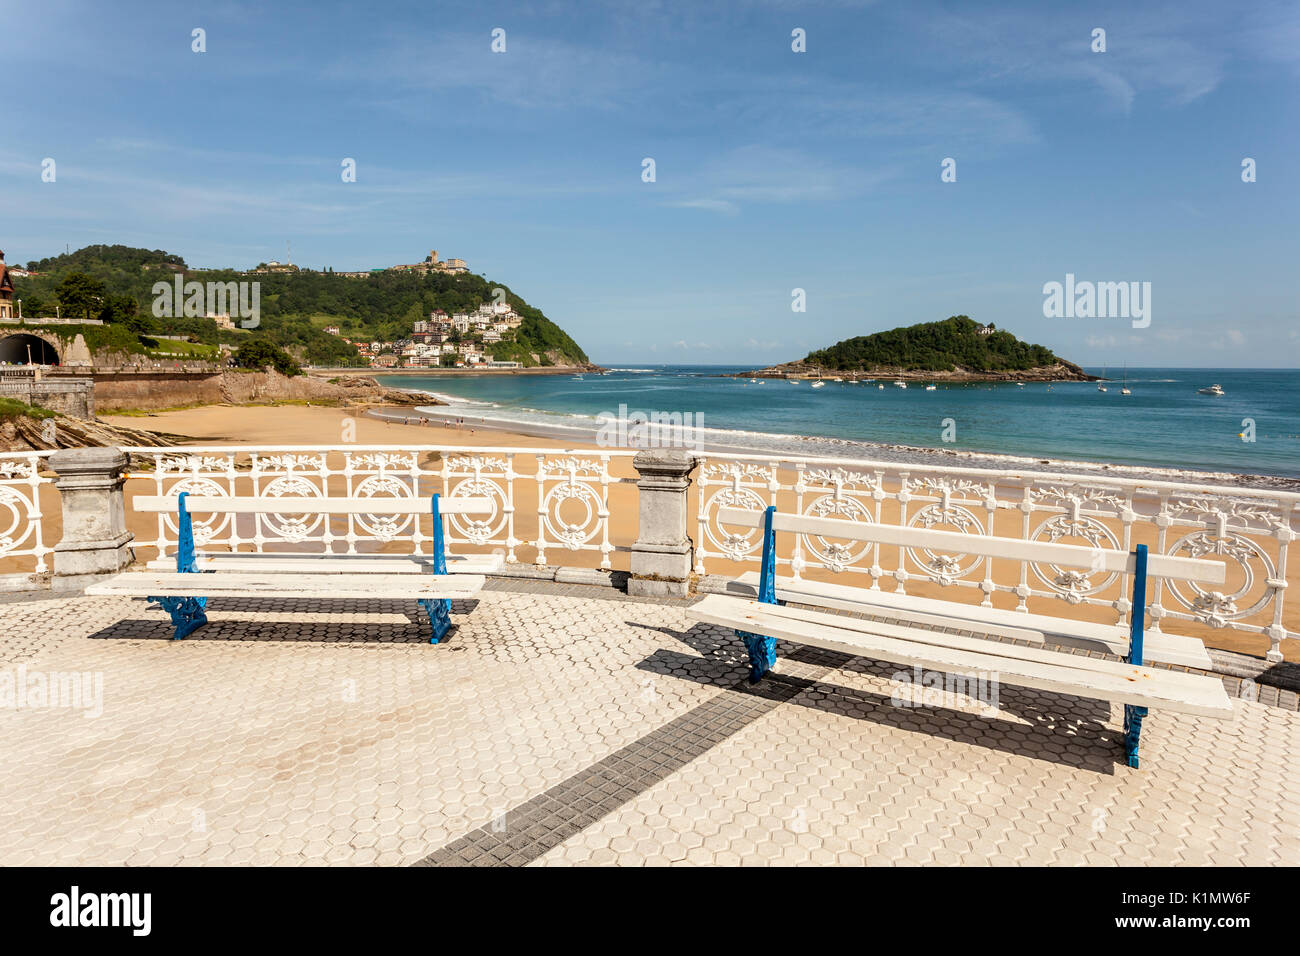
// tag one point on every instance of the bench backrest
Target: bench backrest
(168, 504)
(1139, 562)
(185, 503)
(1015, 549)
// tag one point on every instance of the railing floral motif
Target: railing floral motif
(571, 492)
(21, 534)
(1250, 530)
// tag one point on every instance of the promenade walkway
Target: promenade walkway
(563, 725)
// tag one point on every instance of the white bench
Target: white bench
(759, 622)
(430, 580)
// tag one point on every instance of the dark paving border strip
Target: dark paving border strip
(566, 809)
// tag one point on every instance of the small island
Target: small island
(957, 349)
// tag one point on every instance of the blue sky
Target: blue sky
(775, 170)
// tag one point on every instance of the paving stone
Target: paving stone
(561, 728)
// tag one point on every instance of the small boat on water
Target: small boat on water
(880, 386)
(899, 383)
(1212, 390)
(818, 384)
(578, 377)
(930, 388)
(1124, 389)
(1100, 386)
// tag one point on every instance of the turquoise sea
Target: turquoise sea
(1164, 425)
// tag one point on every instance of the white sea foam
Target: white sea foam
(579, 427)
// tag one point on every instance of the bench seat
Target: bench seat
(1034, 667)
(1174, 649)
(334, 563)
(289, 585)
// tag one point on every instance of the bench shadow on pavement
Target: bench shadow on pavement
(286, 619)
(1059, 728)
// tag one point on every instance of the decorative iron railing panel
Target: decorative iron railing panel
(24, 544)
(567, 492)
(1251, 530)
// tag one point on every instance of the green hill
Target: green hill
(295, 307)
(955, 345)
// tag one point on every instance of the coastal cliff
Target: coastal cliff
(24, 428)
(144, 391)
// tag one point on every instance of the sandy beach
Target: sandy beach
(304, 425)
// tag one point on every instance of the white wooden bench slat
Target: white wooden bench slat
(788, 589)
(979, 645)
(1012, 549)
(289, 585)
(330, 563)
(1123, 683)
(1156, 646)
(235, 504)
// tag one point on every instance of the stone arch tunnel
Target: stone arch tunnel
(23, 348)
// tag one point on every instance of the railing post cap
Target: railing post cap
(85, 461)
(664, 461)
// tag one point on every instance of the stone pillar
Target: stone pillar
(661, 556)
(95, 540)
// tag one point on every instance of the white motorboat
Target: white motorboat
(1212, 390)
(880, 386)
(818, 384)
(930, 388)
(899, 383)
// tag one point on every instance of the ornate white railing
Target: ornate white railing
(558, 499)
(1250, 530)
(23, 544)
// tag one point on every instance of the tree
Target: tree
(259, 353)
(81, 296)
(125, 310)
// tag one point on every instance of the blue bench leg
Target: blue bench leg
(1132, 732)
(762, 654)
(439, 611)
(186, 613)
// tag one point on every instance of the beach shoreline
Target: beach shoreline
(841, 449)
